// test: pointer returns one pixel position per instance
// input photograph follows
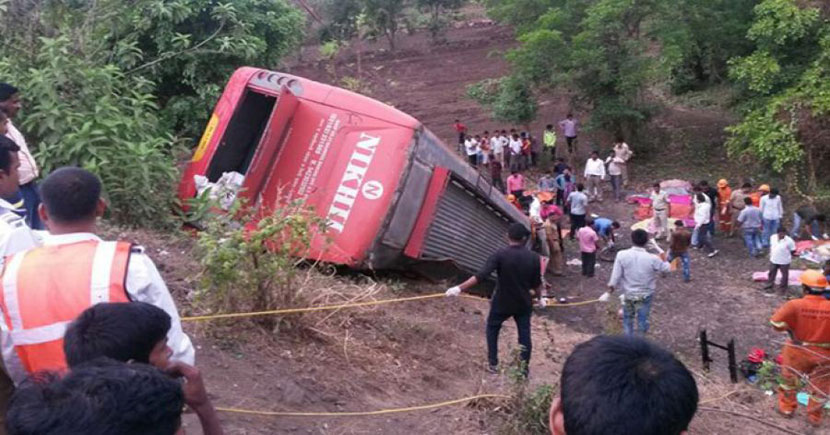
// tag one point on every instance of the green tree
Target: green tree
(385, 16)
(437, 10)
(511, 99)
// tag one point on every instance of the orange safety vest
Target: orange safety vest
(46, 288)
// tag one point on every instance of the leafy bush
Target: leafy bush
(253, 267)
(527, 410)
(510, 98)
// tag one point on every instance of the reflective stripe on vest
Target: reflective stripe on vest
(46, 288)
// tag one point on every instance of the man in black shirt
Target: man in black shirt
(519, 271)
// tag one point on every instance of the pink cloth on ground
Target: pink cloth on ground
(795, 276)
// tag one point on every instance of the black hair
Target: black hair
(746, 186)
(700, 197)
(594, 152)
(99, 398)
(517, 232)
(626, 385)
(748, 201)
(580, 187)
(704, 183)
(821, 217)
(781, 230)
(656, 185)
(570, 115)
(773, 192)
(7, 91)
(615, 224)
(121, 331)
(549, 126)
(639, 237)
(70, 194)
(8, 149)
(679, 223)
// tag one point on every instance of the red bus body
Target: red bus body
(394, 195)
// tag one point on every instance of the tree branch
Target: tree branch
(178, 53)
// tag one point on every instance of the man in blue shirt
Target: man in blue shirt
(605, 228)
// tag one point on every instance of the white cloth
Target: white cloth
(496, 145)
(771, 208)
(144, 284)
(635, 271)
(15, 235)
(622, 152)
(595, 167)
(535, 209)
(578, 202)
(702, 213)
(471, 146)
(781, 251)
(516, 146)
(28, 167)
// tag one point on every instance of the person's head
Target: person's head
(821, 217)
(678, 224)
(478, 137)
(615, 225)
(71, 200)
(514, 172)
(623, 385)
(580, 187)
(492, 157)
(748, 201)
(567, 171)
(517, 233)
(486, 133)
(10, 99)
(619, 139)
(764, 188)
(457, 121)
(703, 184)
(701, 198)
(773, 192)
(813, 281)
(570, 115)
(4, 123)
(515, 136)
(656, 187)
(504, 132)
(100, 397)
(549, 126)
(589, 221)
(639, 237)
(746, 187)
(594, 154)
(782, 232)
(560, 159)
(125, 332)
(723, 183)
(9, 164)
(523, 134)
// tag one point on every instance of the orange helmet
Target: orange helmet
(764, 188)
(511, 197)
(814, 279)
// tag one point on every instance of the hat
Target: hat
(814, 279)
(517, 232)
(764, 188)
(722, 182)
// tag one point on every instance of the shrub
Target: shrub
(253, 267)
(527, 410)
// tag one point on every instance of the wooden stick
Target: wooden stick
(740, 414)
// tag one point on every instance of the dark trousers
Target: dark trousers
(577, 222)
(473, 160)
(570, 141)
(785, 275)
(494, 321)
(498, 183)
(589, 260)
(29, 196)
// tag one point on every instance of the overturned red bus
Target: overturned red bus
(394, 194)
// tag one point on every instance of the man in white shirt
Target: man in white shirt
(471, 148)
(594, 174)
(772, 209)
(10, 103)
(660, 207)
(577, 205)
(72, 204)
(622, 153)
(504, 143)
(515, 152)
(781, 251)
(701, 237)
(496, 147)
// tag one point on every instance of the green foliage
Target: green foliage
(110, 84)
(527, 410)
(510, 98)
(250, 265)
(438, 11)
(385, 15)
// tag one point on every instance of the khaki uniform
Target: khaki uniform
(557, 256)
(736, 204)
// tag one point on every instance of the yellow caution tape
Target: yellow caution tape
(352, 305)
(361, 413)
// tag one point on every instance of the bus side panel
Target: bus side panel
(347, 168)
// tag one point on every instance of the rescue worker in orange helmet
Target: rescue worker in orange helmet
(807, 352)
(45, 288)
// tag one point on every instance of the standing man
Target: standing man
(615, 172)
(547, 183)
(750, 221)
(497, 147)
(737, 204)
(772, 209)
(549, 138)
(622, 153)
(594, 174)
(553, 231)
(588, 246)
(807, 352)
(712, 196)
(495, 173)
(52, 284)
(679, 244)
(518, 282)
(10, 103)
(515, 152)
(635, 271)
(461, 130)
(701, 236)
(471, 147)
(660, 207)
(577, 204)
(516, 184)
(781, 251)
(569, 127)
(504, 143)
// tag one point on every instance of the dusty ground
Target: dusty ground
(422, 352)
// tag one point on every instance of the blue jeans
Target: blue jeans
(641, 308)
(796, 229)
(752, 240)
(770, 228)
(685, 261)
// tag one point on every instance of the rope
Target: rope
(715, 399)
(361, 413)
(352, 305)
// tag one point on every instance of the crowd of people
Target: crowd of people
(756, 214)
